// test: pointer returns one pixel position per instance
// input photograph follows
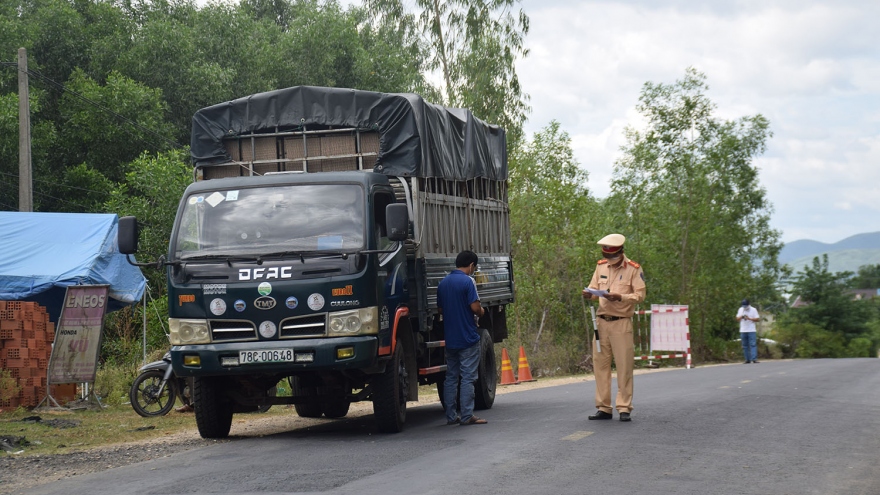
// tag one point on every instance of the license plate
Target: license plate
(266, 356)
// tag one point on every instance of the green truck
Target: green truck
(310, 245)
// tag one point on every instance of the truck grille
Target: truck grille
(304, 326)
(225, 330)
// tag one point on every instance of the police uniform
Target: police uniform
(614, 321)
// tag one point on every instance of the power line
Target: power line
(62, 201)
(15, 176)
(60, 86)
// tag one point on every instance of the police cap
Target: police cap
(611, 243)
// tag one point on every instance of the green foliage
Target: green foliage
(43, 134)
(554, 226)
(105, 141)
(812, 341)
(124, 342)
(151, 192)
(868, 277)
(829, 305)
(474, 45)
(9, 387)
(113, 382)
(831, 323)
(687, 196)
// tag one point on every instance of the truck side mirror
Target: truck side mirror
(127, 235)
(397, 221)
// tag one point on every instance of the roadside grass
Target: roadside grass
(61, 431)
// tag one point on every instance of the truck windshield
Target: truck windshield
(263, 220)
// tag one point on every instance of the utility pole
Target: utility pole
(25, 179)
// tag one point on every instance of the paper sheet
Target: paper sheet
(596, 292)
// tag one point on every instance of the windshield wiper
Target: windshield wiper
(259, 258)
(223, 258)
(320, 253)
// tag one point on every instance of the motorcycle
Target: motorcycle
(155, 390)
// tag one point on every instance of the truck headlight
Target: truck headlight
(185, 332)
(363, 321)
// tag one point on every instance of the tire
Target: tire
(336, 409)
(389, 394)
(487, 377)
(308, 410)
(213, 408)
(144, 398)
(272, 392)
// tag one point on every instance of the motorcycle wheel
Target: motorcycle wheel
(145, 397)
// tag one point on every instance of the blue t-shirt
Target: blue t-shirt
(455, 294)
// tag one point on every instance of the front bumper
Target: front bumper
(324, 349)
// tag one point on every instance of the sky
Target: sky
(812, 68)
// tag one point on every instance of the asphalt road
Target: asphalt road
(789, 427)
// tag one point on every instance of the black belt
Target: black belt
(612, 318)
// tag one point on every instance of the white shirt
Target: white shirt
(744, 324)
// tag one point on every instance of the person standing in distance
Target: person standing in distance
(746, 315)
(459, 302)
(624, 283)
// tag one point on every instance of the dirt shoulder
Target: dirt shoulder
(21, 473)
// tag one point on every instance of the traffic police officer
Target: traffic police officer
(623, 283)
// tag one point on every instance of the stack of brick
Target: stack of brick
(26, 337)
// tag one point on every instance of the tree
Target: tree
(832, 323)
(43, 136)
(110, 125)
(689, 197)
(151, 192)
(555, 223)
(473, 45)
(868, 277)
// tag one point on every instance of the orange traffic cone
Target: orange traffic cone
(525, 375)
(507, 377)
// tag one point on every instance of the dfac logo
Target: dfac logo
(267, 273)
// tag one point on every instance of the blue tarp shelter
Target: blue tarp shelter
(41, 254)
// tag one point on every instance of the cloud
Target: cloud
(811, 67)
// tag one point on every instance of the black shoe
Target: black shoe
(756, 362)
(600, 415)
(625, 417)
(747, 362)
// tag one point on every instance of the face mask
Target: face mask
(614, 259)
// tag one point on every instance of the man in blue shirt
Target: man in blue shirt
(459, 302)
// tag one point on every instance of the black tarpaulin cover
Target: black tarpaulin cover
(416, 138)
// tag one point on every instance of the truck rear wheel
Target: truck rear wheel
(306, 410)
(213, 408)
(336, 408)
(389, 394)
(487, 379)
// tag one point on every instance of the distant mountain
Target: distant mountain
(793, 252)
(846, 260)
(843, 256)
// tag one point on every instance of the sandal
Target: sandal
(473, 420)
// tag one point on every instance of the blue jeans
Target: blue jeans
(750, 345)
(461, 363)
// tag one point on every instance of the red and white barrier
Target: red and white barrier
(669, 331)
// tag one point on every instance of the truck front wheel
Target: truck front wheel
(213, 408)
(389, 394)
